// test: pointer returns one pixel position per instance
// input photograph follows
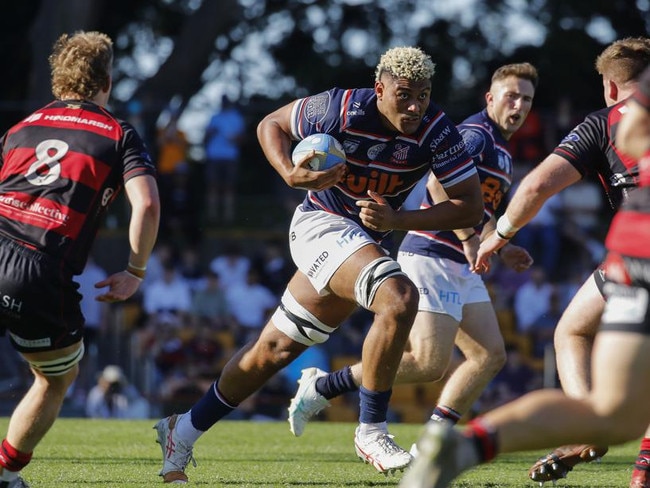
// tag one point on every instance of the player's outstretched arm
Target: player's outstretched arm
(548, 178)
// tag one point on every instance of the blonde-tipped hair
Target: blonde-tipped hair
(411, 63)
(81, 64)
(624, 60)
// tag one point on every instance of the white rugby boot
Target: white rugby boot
(176, 454)
(380, 450)
(307, 402)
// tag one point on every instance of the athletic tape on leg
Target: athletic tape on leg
(59, 366)
(372, 276)
(298, 323)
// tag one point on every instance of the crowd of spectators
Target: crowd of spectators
(197, 306)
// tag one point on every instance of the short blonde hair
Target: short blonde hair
(411, 63)
(624, 60)
(525, 71)
(81, 64)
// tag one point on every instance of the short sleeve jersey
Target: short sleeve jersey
(488, 148)
(590, 148)
(60, 168)
(629, 233)
(378, 159)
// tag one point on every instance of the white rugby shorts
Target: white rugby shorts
(320, 242)
(445, 286)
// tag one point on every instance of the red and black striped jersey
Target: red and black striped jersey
(60, 168)
(589, 147)
(629, 233)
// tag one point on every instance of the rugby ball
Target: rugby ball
(328, 152)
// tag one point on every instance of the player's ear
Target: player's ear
(612, 89)
(379, 89)
(489, 98)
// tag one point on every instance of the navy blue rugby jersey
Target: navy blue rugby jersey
(589, 147)
(60, 168)
(485, 143)
(378, 159)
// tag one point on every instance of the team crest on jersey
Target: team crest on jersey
(618, 179)
(316, 108)
(107, 196)
(474, 141)
(400, 153)
(572, 137)
(350, 146)
(375, 151)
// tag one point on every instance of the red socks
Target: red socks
(11, 458)
(484, 437)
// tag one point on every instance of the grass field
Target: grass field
(97, 454)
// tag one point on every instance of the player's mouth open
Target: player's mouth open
(412, 119)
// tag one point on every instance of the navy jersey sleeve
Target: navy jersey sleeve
(451, 162)
(317, 114)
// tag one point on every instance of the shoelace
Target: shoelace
(189, 456)
(316, 407)
(386, 442)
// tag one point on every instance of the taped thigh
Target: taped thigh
(372, 276)
(298, 323)
(59, 366)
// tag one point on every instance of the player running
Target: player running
(617, 409)
(61, 167)
(586, 150)
(393, 134)
(451, 297)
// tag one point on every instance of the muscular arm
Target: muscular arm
(438, 194)
(274, 136)
(551, 176)
(142, 193)
(463, 208)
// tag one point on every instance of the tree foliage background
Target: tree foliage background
(266, 52)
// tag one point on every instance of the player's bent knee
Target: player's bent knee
(494, 359)
(372, 276)
(59, 366)
(298, 323)
(430, 366)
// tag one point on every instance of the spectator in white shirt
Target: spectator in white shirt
(533, 299)
(250, 303)
(231, 265)
(169, 297)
